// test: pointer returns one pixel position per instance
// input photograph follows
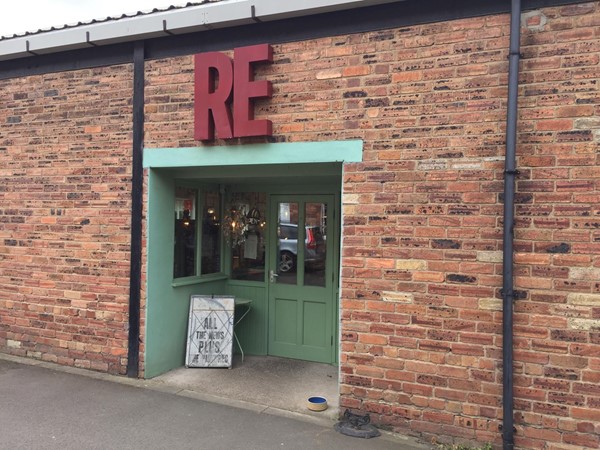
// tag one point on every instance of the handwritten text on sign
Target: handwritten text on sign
(210, 331)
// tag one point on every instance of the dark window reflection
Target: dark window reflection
(211, 234)
(246, 235)
(185, 233)
(315, 256)
(287, 242)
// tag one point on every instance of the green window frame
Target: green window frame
(197, 238)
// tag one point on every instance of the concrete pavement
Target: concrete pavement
(264, 382)
(45, 406)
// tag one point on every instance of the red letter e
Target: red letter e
(245, 89)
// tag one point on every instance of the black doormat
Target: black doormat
(356, 425)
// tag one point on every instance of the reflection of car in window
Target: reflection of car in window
(314, 246)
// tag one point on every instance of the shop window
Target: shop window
(185, 233)
(210, 247)
(245, 233)
(189, 225)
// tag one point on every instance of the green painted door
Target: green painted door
(301, 278)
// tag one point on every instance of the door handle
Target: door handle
(272, 276)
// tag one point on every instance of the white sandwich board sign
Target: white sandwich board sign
(210, 331)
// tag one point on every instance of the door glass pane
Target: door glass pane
(246, 236)
(315, 250)
(287, 243)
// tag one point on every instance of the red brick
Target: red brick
(585, 414)
(576, 10)
(589, 440)
(354, 71)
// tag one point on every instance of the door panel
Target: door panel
(314, 335)
(286, 319)
(301, 282)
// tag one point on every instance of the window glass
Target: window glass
(210, 246)
(315, 248)
(245, 234)
(287, 243)
(185, 233)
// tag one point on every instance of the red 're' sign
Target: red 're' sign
(217, 78)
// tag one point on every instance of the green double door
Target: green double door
(301, 280)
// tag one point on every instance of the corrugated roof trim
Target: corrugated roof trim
(108, 19)
(175, 20)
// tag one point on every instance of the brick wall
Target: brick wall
(421, 318)
(65, 177)
(422, 235)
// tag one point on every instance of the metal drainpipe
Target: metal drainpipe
(508, 233)
(137, 181)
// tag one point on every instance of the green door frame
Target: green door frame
(167, 303)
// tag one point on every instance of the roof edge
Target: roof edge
(192, 18)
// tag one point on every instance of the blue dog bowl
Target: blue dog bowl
(317, 403)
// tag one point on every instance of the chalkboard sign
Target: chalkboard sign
(210, 331)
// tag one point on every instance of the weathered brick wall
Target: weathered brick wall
(421, 318)
(65, 165)
(422, 237)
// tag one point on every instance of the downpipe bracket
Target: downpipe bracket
(508, 294)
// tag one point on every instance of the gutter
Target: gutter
(509, 224)
(172, 22)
